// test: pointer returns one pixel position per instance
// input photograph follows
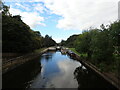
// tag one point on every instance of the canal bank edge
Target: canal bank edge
(95, 69)
(16, 62)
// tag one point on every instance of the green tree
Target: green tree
(102, 47)
(48, 41)
(70, 42)
(115, 35)
(17, 37)
(83, 43)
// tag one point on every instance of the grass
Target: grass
(80, 54)
(73, 49)
(39, 50)
(112, 69)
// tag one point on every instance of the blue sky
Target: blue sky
(63, 18)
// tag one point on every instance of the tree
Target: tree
(70, 41)
(5, 9)
(62, 43)
(102, 47)
(17, 37)
(48, 41)
(83, 43)
(115, 35)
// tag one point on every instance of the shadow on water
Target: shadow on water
(22, 76)
(47, 56)
(86, 78)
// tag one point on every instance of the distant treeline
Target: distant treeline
(102, 46)
(18, 37)
(70, 42)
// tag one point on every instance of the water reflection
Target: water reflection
(65, 78)
(88, 79)
(56, 73)
(47, 56)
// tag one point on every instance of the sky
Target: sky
(63, 18)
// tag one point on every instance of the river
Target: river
(53, 70)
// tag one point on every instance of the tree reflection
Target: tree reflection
(48, 56)
(82, 77)
(86, 78)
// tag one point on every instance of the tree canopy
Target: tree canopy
(102, 46)
(70, 41)
(18, 37)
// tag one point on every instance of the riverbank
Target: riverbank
(10, 64)
(109, 76)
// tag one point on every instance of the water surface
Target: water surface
(57, 71)
(54, 70)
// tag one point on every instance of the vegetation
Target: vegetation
(48, 41)
(70, 41)
(102, 46)
(17, 36)
(99, 46)
(80, 54)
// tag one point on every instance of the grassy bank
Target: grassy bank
(39, 50)
(111, 69)
(80, 54)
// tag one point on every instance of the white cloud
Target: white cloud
(35, 0)
(30, 18)
(58, 40)
(66, 67)
(39, 7)
(25, 7)
(79, 14)
(76, 14)
(21, 0)
(20, 5)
